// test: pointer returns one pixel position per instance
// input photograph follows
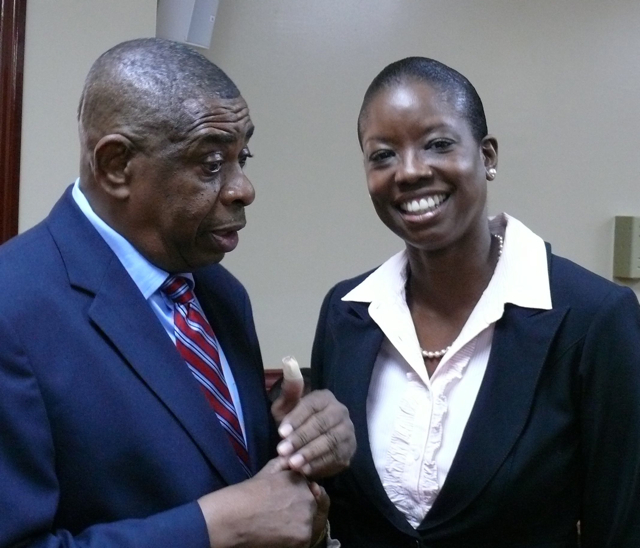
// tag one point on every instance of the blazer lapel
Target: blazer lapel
(122, 314)
(520, 345)
(357, 347)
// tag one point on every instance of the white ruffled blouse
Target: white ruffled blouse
(415, 422)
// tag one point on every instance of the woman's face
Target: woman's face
(425, 171)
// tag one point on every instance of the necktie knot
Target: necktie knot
(178, 289)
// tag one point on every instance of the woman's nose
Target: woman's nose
(413, 169)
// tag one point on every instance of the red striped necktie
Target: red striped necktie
(198, 346)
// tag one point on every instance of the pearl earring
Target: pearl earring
(491, 173)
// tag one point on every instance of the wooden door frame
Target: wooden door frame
(13, 15)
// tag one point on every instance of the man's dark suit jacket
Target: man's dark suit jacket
(553, 438)
(105, 437)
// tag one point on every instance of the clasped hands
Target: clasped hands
(318, 438)
(282, 506)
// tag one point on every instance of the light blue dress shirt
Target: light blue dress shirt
(149, 278)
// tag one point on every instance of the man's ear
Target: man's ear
(111, 158)
(489, 147)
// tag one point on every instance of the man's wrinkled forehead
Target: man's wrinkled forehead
(227, 120)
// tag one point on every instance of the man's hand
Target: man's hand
(291, 391)
(274, 509)
(318, 436)
(322, 513)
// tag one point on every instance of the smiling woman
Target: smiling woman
(492, 384)
(12, 35)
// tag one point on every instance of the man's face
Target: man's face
(187, 195)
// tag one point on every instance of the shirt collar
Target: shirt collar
(145, 275)
(521, 276)
(522, 273)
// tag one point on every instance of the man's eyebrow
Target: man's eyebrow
(221, 137)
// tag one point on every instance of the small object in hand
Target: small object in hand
(291, 369)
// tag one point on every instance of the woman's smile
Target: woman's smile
(418, 210)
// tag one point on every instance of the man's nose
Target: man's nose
(238, 189)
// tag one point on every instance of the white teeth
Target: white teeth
(423, 205)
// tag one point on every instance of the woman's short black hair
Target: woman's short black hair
(450, 82)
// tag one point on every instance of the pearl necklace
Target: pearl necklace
(437, 354)
(428, 355)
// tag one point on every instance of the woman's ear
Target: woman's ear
(111, 157)
(489, 147)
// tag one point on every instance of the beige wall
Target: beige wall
(561, 86)
(63, 39)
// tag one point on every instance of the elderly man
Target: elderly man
(132, 405)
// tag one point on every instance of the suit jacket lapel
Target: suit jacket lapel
(122, 314)
(520, 345)
(357, 347)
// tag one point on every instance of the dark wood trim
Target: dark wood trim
(271, 376)
(13, 16)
